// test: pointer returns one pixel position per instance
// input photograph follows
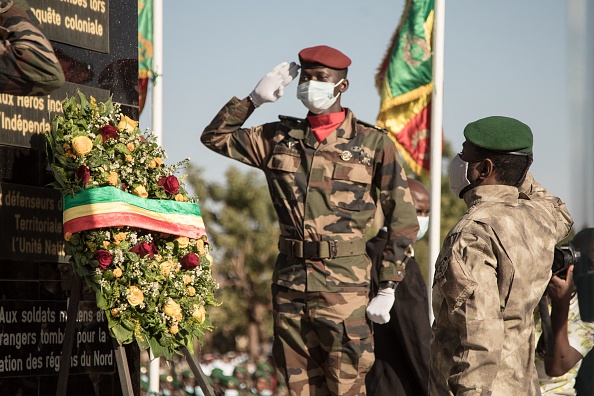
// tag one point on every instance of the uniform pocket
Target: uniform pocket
(281, 168)
(357, 353)
(350, 185)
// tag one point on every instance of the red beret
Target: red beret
(324, 56)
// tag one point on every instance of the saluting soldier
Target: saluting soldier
(494, 265)
(28, 65)
(325, 173)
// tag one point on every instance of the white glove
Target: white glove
(379, 307)
(271, 86)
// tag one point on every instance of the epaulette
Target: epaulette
(368, 125)
(289, 118)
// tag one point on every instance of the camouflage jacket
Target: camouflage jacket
(28, 65)
(323, 191)
(491, 272)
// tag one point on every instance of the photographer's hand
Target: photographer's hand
(561, 357)
(561, 290)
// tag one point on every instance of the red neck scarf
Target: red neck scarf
(323, 125)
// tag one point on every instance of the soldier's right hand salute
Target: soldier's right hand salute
(271, 86)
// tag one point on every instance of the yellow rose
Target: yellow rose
(166, 267)
(67, 236)
(112, 180)
(127, 124)
(135, 296)
(174, 329)
(159, 161)
(181, 198)
(199, 244)
(82, 145)
(119, 237)
(187, 279)
(199, 313)
(130, 146)
(117, 273)
(105, 244)
(182, 241)
(115, 312)
(152, 164)
(173, 310)
(128, 158)
(140, 191)
(209, 258)
(191, 291)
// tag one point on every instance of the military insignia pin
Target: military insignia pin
(365, 159)
(346, 155)
(291, 143)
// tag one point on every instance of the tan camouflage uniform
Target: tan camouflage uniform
(323, 192)
(28, 65)
(490, 274)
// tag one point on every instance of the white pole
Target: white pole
(157, 96)
(157, 128)
(436, 142)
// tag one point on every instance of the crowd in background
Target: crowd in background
(229, 374)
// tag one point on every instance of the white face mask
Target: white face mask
(317, 96)
(423, 226)
(458, 175)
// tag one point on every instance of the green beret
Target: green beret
(501, 134)
(228, 381)
(217, 373)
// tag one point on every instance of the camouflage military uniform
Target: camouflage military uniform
(324, 195)
(491, 272)
(28, 65)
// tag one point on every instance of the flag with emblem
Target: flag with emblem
(404, 81)
(145, 48)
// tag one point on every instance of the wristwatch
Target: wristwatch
(388, 284)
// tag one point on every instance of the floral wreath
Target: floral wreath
(131, 230)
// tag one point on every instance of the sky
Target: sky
(507, 57)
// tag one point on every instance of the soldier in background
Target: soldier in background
(28, 65)
(402, 345)
(494, 265)
(325, 174)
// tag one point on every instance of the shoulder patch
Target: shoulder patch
(369, 125)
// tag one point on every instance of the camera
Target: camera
(565, 255)
(583, 276)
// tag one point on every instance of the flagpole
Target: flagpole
(157, 128)
(436, 143)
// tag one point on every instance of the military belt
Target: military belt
(321, 249)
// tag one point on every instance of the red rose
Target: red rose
(104, 258)
(190, 261)
(170, 184)
(145, 249)
(108, 131)
(83, 174)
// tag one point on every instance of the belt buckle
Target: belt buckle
(333, 248)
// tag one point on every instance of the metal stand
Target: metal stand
(69, 334)
(198, 373)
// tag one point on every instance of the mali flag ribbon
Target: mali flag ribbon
(110, 207)
(404, 81)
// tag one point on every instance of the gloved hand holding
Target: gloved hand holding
(379, 307)
(271, 86)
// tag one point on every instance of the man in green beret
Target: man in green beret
(494, 265)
